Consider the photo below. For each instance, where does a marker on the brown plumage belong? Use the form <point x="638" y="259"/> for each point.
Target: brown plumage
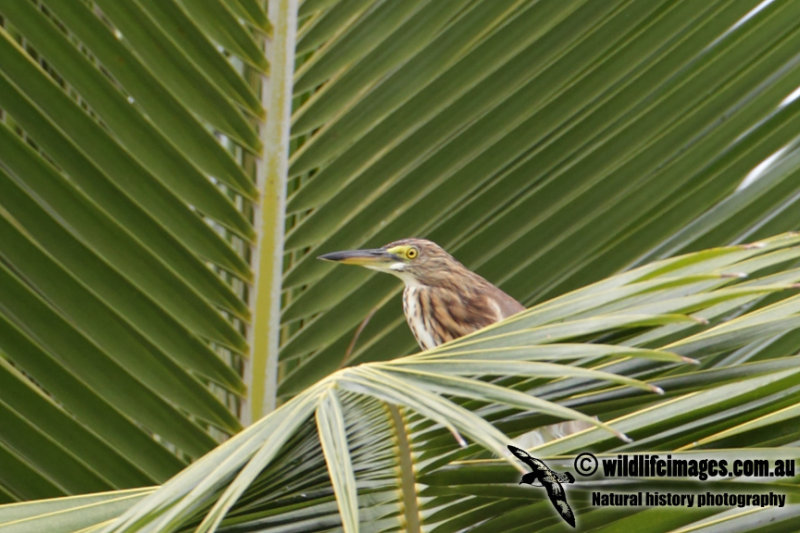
<point x="442" y="299"/>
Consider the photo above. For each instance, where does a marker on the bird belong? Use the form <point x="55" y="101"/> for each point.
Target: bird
<point x="550" y="480"/>
<point x="442" y="299"/>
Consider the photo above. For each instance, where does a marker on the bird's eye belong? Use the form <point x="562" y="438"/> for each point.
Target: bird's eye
<point x="411" y="253"/>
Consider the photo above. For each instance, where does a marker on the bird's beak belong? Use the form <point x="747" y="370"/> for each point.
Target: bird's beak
<point x="375" y="257"/>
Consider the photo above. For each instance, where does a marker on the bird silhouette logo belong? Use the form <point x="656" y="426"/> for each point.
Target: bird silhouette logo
<point x="551" y="481"/>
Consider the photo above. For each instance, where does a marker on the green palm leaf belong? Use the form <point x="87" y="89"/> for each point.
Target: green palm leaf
<point x="170" y="170"/>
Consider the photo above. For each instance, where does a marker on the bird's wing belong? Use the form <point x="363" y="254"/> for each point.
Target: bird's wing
<point x="494" y="297"/>
<point x="559" y="499"/>
<point x="453" y="313"/>
<point x="529" y="460"/>
<point x="508" y="305"/>
<point x="566" y="477"/>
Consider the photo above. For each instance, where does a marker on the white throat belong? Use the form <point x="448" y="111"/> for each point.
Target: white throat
<point x="414" y="316"/>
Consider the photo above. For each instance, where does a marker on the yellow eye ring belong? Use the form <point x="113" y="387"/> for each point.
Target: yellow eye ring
<point x="411" y="253"/>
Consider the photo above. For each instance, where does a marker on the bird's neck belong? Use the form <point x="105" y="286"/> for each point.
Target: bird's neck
<point x="415" y="311"/>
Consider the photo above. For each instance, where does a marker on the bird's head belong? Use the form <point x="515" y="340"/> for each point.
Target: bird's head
<point x="415" y="261"/>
